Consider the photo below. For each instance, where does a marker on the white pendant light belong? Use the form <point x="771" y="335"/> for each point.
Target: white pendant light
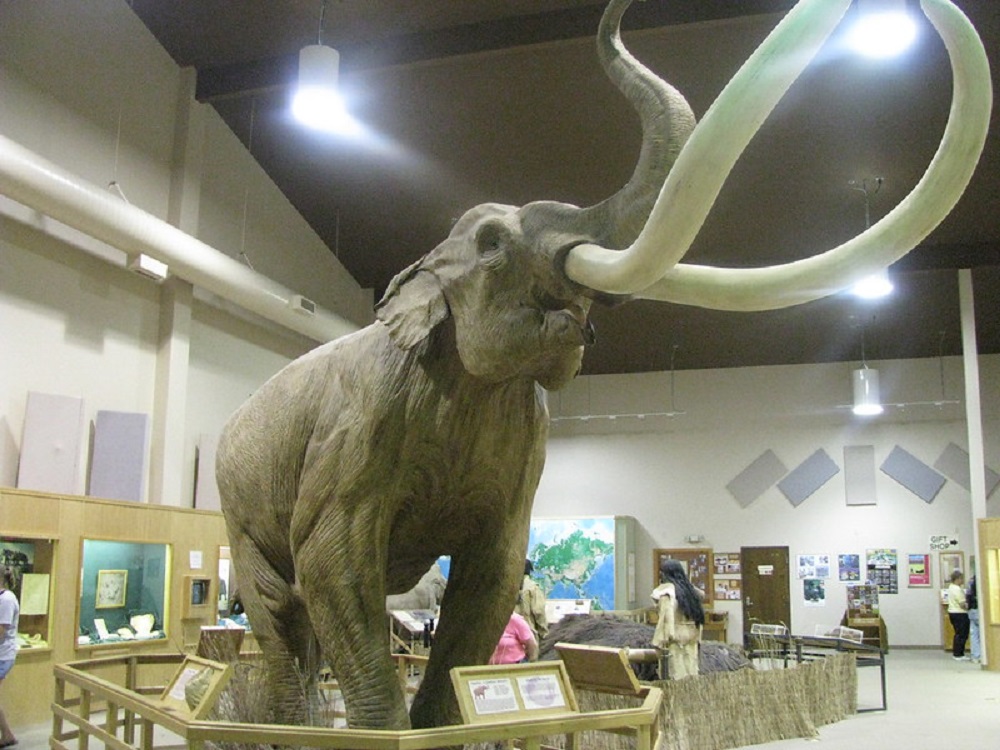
<point x="883" y="29"/>
<point x="875" y="286"/>
<point x="866" y="393"/>
<point x="317" y="102"/>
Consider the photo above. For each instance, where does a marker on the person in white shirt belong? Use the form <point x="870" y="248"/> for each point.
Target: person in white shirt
<point x="9" y="612"/>
<point x="958" y="613"/>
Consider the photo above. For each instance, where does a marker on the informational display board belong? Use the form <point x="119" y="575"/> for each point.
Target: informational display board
<point x="513" y="691"/>
<point x="601" y="668"/>
<point x="196" y="685"/>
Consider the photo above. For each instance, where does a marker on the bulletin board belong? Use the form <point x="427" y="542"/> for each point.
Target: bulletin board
<point x="698" y="562"/>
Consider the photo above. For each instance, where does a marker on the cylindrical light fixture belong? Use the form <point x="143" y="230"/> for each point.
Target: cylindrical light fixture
<point x="883" y="28"/>
<point x="317" y="101"/>
<point x="866" y="396"/>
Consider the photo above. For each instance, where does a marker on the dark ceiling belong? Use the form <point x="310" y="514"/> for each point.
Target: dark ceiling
<point x="482" y="100"/>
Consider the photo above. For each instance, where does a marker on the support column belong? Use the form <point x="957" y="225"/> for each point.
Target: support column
<point x="169" y="438"/>
<point x="973" y="415"/>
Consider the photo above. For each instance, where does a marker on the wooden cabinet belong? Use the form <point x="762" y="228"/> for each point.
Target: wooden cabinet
<point x="716" y="624"/>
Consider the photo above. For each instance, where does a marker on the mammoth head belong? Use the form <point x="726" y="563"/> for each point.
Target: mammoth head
<point x="518" y="282"/>
<point x="514" y="314"/>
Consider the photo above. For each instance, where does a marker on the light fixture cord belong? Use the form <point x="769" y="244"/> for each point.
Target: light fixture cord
<point x="868" y="195"/>
<point x="322" y="15"/>
<point x="246" y="189"/>
<point x="114" y="184"/>
<point x="941" y="361"/>
<point x="673" y="355"/>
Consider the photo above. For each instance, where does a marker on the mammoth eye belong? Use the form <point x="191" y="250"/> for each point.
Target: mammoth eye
<point x="490" y="240"/>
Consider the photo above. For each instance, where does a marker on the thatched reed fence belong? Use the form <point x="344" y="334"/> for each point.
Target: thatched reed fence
<point x="746" y="707"/>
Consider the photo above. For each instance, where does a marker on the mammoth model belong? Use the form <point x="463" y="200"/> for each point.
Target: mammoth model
<point x="347" y="474"/>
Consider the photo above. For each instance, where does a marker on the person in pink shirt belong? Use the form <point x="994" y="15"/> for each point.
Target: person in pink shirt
<point x="517" y="644"/>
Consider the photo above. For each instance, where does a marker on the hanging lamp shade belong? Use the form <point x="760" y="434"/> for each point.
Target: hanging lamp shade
<point x="317" y="101"/>
<point x="867" y="402"/>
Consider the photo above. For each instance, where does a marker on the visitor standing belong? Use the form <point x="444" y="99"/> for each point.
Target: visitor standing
<point x="972" y="600"/>
<point x="680" y="620"/>
<point x="958" y="613"/>
<point x="517" y="644"/>
<point x="531" y="603"/>
<point x="9" y="612"/>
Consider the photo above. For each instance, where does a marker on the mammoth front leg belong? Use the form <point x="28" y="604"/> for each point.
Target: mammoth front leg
<point x="281" y="627"/>
<point x="341" y="569"/>
<point x="478" y="601"/>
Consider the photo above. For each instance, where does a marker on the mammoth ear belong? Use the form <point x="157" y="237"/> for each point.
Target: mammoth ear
<point x="412" y="306"/>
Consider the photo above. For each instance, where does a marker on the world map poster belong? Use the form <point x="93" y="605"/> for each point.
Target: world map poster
<point x="574" y="558"/>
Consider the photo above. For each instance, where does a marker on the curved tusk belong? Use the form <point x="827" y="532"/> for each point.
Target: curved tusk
<point x="708" y="156"/>
<point x="897" y="233"/>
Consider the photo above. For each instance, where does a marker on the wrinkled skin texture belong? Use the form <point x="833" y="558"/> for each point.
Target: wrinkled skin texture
<point x="347" y="474"/>
<point x="354" y="468"/>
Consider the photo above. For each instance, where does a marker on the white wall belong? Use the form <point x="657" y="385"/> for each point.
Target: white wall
<point x="671" y="473"/>
<point x="86" y="86"/>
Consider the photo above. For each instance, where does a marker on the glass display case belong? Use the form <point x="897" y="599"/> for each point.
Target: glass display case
<point x="32" y="561"/>
<point x="123" y="591"/>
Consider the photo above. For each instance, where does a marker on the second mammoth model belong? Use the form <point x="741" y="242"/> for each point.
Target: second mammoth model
<point x="348" y="473"/>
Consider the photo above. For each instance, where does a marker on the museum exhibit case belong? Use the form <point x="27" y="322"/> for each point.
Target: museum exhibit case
<point x="87" y="585"/>
<point x="32" y="560"/>
<point x="124" y="591"/>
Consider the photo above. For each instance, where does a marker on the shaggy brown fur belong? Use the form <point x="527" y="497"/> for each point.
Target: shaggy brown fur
<point x="618" y="632"/>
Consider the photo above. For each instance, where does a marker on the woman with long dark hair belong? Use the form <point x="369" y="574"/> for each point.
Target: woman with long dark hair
<point x="681" y="617"/>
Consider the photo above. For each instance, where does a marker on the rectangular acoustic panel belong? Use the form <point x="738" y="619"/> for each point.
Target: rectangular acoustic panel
<point x="913" y="474"/>
<point x="206" y="491"/>
<point x="859" y="474"/>
<point x="121" y="448"/>
<point x="954" y="464"/>
<point x="50" y="444"/>
<point x="808" y="477"/>
<point x="756" y="478"/>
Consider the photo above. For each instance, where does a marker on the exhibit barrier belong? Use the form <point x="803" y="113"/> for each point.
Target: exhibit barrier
<point x="110" y="701"/>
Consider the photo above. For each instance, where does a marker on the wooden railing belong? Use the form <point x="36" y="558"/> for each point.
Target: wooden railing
<point x="121" y="712"/>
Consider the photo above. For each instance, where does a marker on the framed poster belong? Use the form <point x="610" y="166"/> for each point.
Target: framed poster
<point x="698" y="563"/>
<point x="849" y="567"/>
<point x="919" y="569"/>
<point x="948" y="562"/>
<point x="111" y="588"/>
<point x="883" y="570"/>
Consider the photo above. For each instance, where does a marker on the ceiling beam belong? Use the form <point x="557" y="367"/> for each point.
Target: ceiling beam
<point x="272" y="74"/>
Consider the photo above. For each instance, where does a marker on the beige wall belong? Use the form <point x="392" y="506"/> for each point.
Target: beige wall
<point x="671" y="473"/>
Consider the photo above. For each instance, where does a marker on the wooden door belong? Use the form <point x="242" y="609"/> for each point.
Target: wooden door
<point x="766" y="593"/>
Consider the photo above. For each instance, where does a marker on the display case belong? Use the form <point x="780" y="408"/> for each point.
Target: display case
<point x="32" y="561"/>
<point x="123" y="592"/>
<point x="198" y="602"/>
